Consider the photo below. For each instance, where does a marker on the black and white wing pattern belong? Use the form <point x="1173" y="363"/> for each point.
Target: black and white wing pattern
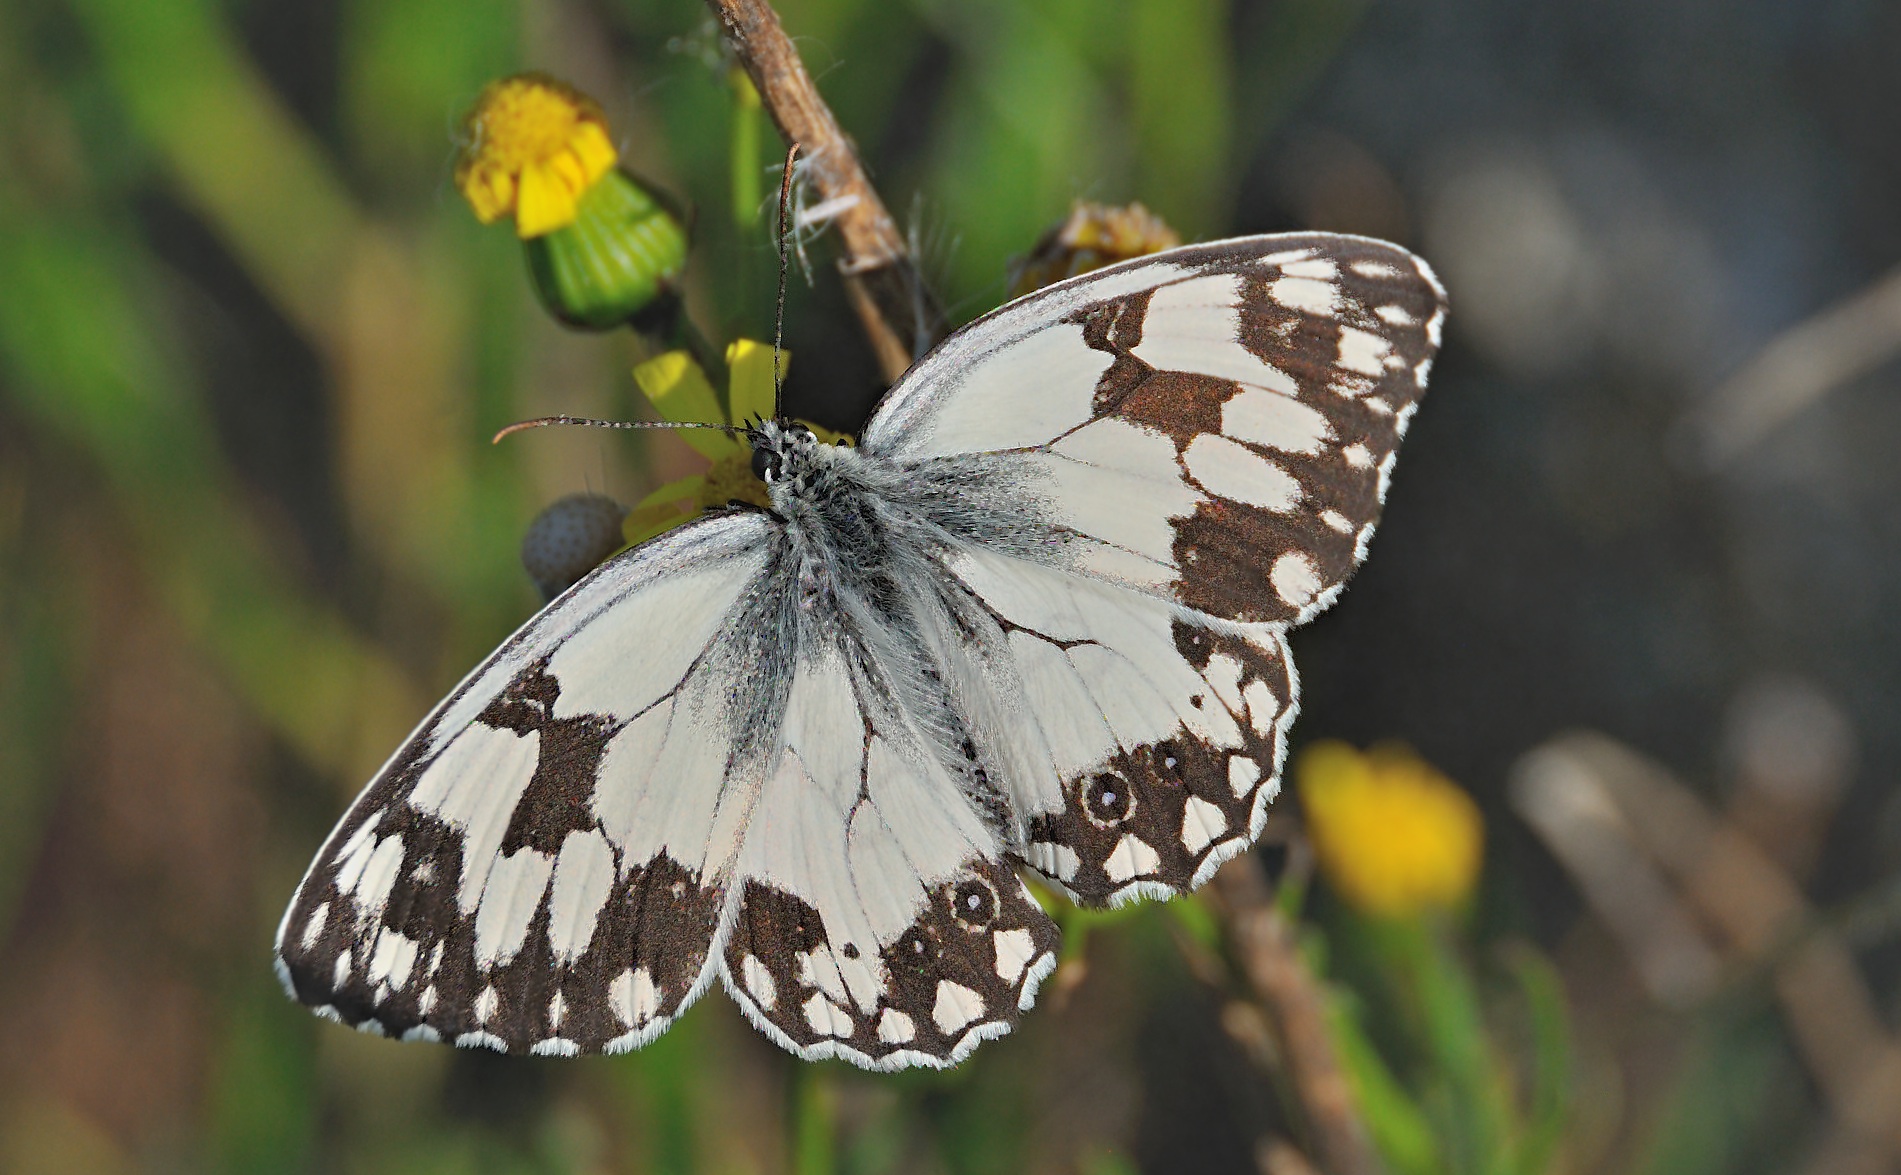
<point x="530" y="871"/>
<point x="1218" y="421"/>
<point x="1038" y="618"/>
<point x="1209" y="434"/>
<point x="668" y="777"/>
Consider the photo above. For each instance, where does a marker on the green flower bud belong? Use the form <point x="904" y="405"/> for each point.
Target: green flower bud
<point x="623" y="252"/>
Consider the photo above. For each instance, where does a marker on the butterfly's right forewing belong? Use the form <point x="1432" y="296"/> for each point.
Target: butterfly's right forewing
<point x="1215" y="424"/>
<point x="537" y="868"/>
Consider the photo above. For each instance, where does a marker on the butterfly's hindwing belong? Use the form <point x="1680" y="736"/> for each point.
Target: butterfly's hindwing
<point x="1157" y="818"/>
<point x="1157" y="735"/>
<point x="963" y="971"/>
<point x="857" y="838"/>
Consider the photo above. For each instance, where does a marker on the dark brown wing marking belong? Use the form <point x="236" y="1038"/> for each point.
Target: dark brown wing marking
<point x="963" y="972"/>
<point x="1156" y="819"/>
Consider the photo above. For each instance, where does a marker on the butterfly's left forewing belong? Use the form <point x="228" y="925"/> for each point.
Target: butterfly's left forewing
<point x="538" y="869"/>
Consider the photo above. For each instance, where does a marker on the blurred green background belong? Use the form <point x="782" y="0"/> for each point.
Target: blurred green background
<point x="252" y="346"/>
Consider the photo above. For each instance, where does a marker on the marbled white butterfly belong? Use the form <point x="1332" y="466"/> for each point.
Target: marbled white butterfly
<point x="1036" y="619"/>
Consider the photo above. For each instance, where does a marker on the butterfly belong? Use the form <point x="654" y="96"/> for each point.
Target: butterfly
<point x="1035" y="620"/>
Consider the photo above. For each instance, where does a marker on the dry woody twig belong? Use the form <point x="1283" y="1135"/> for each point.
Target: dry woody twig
<point x="899" y="314"/>
<point x="1264" y="946"/>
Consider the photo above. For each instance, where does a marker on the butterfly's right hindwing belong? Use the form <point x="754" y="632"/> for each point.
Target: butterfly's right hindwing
<point x="1148" y="739"/>
<point x="536" y="870"/>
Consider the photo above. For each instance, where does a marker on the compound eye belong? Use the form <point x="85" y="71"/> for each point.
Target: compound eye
<point x="765" y="465"/>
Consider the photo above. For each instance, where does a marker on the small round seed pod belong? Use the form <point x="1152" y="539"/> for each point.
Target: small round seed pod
<point x="569" y="539"/>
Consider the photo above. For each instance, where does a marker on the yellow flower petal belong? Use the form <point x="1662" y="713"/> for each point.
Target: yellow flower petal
<point x="1394" y="837"/>
<point x="750" y="385"/>
<point x="545" y="202"/>
<point x="532" y="146"/>
<point x="491" y="195"/>
<point x="680" y="391"/>
<point x="593" y="150"/>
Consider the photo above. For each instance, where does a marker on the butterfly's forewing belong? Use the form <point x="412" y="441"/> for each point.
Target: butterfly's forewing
<point x="530" y="872"/>
<point x="1217" y="422"/>
<point x="1211" y="430"/>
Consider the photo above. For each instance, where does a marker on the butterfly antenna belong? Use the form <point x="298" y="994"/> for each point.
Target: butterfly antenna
<point x="545" y="421"/>
<point x="778" y="320"/>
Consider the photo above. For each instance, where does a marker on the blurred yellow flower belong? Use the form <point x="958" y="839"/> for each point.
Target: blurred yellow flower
<point x="532" y="147"/>
<point x="1094" y="235"/>
<point x="1394" y="837"/>
<point x="681" y="392"/>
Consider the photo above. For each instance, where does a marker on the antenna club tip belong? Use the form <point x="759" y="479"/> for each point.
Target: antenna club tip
<point x="518" y="426"/>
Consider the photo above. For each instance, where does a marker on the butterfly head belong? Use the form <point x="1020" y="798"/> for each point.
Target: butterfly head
<point x="784" y="454"/>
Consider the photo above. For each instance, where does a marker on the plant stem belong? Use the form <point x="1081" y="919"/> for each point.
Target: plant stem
<point x="1262" y="940"/>
<point x="900" y="316"/>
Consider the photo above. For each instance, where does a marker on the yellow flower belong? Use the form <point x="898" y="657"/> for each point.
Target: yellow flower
<point x="533" y="146"/>
<point x="1394" y="837"/>
<point x="602" y="250"/>
<point x="682" y="393"/>
<point x="1095" y="235"/>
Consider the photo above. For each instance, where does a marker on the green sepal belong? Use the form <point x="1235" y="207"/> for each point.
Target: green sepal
<point x="623" y="252"/>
